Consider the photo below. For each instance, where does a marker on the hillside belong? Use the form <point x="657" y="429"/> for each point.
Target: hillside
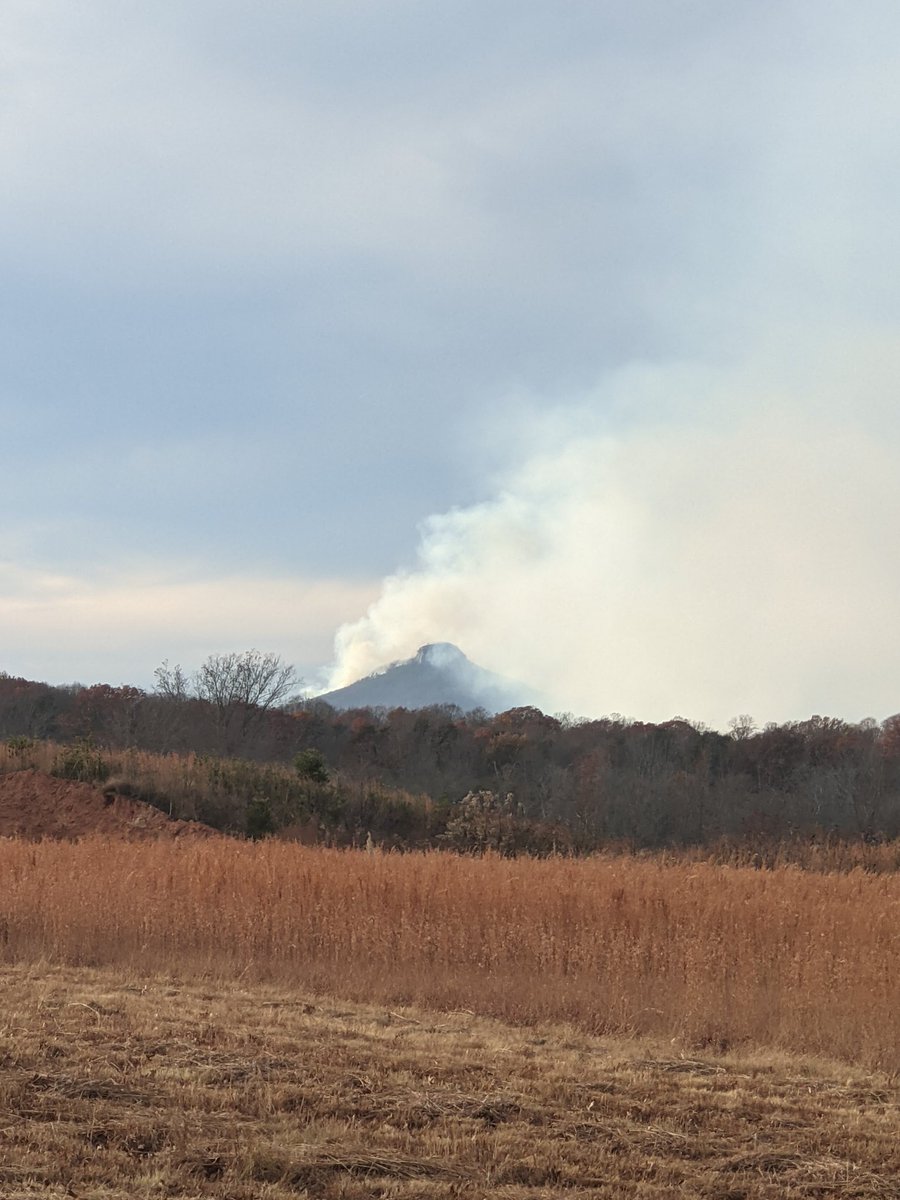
<point x="36" y="805"/>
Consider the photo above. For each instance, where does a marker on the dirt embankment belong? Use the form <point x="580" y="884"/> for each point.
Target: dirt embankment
<point x="35" y="805"/>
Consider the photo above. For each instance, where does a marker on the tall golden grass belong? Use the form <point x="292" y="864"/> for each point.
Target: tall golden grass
<point x="713" y="955"/>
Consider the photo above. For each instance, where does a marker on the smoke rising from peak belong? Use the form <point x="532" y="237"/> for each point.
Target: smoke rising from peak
<point x="726" y="555"/>
<point x="714" y="535"/>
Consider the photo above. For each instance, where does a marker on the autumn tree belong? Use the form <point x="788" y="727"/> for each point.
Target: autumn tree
<point x="111" y="715"/>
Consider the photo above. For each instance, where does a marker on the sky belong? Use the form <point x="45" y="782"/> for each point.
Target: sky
<point x="566" y="333"/>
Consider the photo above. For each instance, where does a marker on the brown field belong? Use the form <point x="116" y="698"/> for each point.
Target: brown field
<point x="512" y="1029"/>
<point x="117" y="1085"/>
<point x="706" y="956"/>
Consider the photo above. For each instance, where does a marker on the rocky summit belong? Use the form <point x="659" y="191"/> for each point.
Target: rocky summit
<point x="438" y="673"/>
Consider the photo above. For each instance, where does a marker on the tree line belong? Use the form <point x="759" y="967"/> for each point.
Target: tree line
<point x="522" y="776"/>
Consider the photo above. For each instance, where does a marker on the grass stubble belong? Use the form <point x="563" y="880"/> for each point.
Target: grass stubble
<point x="116" y="1085"/>
<point x="514" y="1029"/>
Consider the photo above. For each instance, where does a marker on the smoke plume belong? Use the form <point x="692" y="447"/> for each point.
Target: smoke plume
<point x="729" y="549"/>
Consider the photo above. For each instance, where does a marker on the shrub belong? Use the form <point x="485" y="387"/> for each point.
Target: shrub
<point x="81" y="761"/>
<point x="310" y="764"/>
<point x="260" y="822"/>
<point x="21" y="748"/>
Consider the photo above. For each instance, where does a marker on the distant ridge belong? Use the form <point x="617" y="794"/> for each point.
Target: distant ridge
<point x="438" y="673"/>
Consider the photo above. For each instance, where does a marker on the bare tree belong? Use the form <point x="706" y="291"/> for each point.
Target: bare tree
<point x="242" y="688"/>
<point x="171" y="682"/>
<point x="171" y="717"/>
<point x="254" y="679"/>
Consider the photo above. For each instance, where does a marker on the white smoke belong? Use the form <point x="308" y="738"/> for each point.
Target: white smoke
<point x="719" y="538"/>
<point x="727" y="554"/>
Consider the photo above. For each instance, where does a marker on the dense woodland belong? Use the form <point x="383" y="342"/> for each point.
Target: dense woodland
<point x="521" y="780"/>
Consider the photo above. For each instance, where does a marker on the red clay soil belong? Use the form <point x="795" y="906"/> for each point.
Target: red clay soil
<point x="35" y="805"/>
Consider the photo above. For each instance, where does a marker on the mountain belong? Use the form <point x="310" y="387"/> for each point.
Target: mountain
<point x="437" y="674"/>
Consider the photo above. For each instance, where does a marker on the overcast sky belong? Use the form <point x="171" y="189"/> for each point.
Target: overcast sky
<point x="565" y="332"/>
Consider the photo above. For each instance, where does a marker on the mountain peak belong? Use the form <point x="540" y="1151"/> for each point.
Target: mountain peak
<point x="437" y="674"/>
<point x="440" y="655"/>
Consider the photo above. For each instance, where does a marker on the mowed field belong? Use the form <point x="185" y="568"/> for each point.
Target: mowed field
<point x="222" y="1018"/>
<point x="116" y="1085"/>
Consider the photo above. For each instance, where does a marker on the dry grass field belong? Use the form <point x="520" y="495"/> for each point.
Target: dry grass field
<point x="114" y="1085"/>
<point x="714" y="957"/>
